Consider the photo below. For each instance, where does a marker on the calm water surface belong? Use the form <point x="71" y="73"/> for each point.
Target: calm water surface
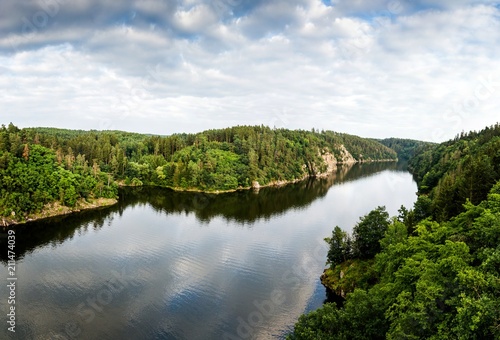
<point x="167" y="265"/>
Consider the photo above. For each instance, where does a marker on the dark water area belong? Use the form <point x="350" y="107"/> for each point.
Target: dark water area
<point x="176" y="265"/>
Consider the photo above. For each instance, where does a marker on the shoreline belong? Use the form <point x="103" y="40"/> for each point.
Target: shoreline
<point x="55" y="209"/>
<point x="255" y="184"/>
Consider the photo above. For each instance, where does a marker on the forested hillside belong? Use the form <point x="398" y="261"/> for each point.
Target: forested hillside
<point x="212" y="160"/>
<point x="41" y="165"/>
<point x="32" y="176"/>
<point x="461" y="169"/>
<point x="412" y="277"/>
<point x="405" y="148"/>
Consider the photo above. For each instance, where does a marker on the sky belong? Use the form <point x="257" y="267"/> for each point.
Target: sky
<point x="420" y="69"/>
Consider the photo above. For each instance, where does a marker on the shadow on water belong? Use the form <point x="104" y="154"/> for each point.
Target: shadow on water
<point x="54" y="231"/>
<point x="332" y="297"/>
<point x="245" y="206"/>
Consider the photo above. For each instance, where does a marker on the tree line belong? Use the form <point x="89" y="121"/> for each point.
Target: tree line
<point x="41" y="165"/>
<point x="405" y="148"/>
<point x="222" y="159"/>
<point x="432" y="272"/>
<point x="31" y="176"/>
<point x="453" y="172"/>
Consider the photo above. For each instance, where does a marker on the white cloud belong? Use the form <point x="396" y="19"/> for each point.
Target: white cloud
<point x="296" y="65"/>
<point x="196" y="19"/>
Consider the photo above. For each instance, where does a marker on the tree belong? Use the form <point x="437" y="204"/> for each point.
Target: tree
<point x="407" y="217"/>
<point x="368" y="232"/>
<point x="422" y="207"/>
<point x="95" y="168"/>
<point x="340" y="247"/>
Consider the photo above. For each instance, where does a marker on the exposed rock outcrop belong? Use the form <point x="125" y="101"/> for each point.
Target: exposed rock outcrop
<point x="255" y="185"/>
<point x="330" y="162"/>
<point x="329" y="165"/>
<point x="345" y="156"/>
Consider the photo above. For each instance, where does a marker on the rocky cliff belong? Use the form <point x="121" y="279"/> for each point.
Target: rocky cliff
<point x="345" y="156"/>
<point x="330" y="161"/>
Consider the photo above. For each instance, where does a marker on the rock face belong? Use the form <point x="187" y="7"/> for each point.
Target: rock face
<point x="331" y="165"/>
<point x="331" y="162"/>
<point x="327" y="167"/>
<point x="345" y="156"/>
<point x="331" y="283"/>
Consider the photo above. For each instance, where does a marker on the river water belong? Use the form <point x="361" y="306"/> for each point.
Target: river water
<point x="169" y="265"/>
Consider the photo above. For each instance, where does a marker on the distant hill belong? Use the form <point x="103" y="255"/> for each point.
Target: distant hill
<point x="405" y="148"/>
<point x="465" y="168"/>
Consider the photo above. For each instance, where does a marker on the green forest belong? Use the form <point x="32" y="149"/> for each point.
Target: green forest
<point x="433" y="272"/>
<point x="405" y="148"/>
<point x="43" y="165"/>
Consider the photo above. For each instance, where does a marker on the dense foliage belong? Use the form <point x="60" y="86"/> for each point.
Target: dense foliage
<point x="365" y="242"/>
<point x="212" y="160"/>
<point x="40" y="165"/>
<point x="405" y="148"/>
<point x="442" y="282"/>
<point x="462" y="169"/>
<point x="31" y="176"/>
<point x="429" y="279"/>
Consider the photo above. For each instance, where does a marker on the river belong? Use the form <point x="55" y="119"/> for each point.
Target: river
<point x="175" y="265"/>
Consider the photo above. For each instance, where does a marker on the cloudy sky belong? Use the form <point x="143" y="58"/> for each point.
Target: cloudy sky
<point x="422" y="69"/>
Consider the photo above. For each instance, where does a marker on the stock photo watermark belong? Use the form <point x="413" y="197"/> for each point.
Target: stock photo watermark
<point x="280" y="120"/>
<point x="221" y="7"/>
<point x="95" y="304"/>
<point x="141" y="90"/>
<point x="485" y="88"/>
<point x="359" y="45"/>
<point x="11" y="280"/>
<point x="268" y="308"/>
<point x="135" y="96"/>
<point x="36" y="22"/>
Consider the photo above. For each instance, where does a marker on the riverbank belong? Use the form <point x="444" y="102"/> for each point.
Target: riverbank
<point x="331" y="168"/>
<point x="57" y="209"/>
<point x="156" y="227"/>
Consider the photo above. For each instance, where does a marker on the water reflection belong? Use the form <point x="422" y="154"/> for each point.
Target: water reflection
<point x="192" y="266"/>
<point x="248" y="206"/>
<point x="243" y="207"/>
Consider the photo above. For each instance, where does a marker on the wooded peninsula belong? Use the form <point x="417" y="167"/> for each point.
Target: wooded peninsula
<point x="47" y="171"/>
